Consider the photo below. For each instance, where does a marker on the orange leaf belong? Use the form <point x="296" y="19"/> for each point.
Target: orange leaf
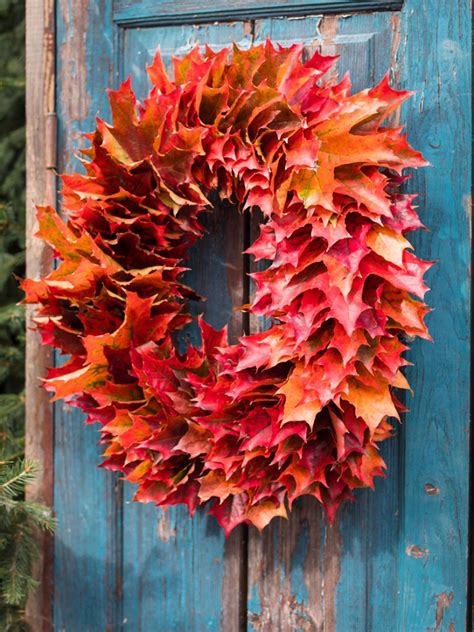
<point x="372" y="404"/>
<point x="261" y="514"/>
<point x="388" y="244"/>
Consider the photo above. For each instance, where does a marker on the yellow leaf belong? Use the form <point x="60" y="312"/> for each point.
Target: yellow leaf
<point x="388" y="244"/>
<point x="139" y="472"/>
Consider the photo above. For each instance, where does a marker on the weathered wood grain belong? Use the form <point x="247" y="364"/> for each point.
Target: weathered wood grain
<point x="172" y="12"/>
<point x="40" y="188"/>
<point x="432" y="552"/>
<point x="293" y="573"/>
<point x="87" y="500"/>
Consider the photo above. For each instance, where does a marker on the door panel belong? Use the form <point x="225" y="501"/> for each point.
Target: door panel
<point x="395" y="559"/>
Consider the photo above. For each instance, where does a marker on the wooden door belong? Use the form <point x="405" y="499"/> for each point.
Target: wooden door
<point x="396" y="560"/>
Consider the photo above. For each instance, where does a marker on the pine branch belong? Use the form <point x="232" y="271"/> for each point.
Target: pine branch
<point x="13" y="478"/>
<point x="18" y="548"/>
<point x="38" y="514"/>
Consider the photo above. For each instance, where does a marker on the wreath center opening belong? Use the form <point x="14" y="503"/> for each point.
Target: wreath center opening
<point x="219" y="272"/>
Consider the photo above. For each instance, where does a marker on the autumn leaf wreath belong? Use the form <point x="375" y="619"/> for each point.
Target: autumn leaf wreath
<point x="299" y="408"/>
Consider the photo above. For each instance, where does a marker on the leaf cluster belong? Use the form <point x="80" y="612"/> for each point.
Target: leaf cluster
<point x="300" y="408"/>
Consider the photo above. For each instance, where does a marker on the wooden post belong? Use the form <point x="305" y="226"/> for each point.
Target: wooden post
<point x="40" y="189"/>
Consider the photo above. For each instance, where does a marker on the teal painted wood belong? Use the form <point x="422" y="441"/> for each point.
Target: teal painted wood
<point x="173" y="12"/>
<point x="433" y="538"/>
<point x="86" y="499"/>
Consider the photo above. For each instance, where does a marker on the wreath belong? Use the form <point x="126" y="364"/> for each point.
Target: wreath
<point x="300" y="408"/>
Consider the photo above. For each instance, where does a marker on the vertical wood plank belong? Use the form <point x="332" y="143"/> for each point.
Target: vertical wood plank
<point x="86" y="499"/>
<point x="181" y="573"/>
<point x="327" y="573"/>
<point x="287" y="560"/>
<point x="293" y="572"/>
<point x="367" y="592"/>
<point x="40" y="188"/>
<point x="433" y="540"/>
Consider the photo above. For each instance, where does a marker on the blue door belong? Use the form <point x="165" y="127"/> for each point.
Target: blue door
<point x="396" y="560"/>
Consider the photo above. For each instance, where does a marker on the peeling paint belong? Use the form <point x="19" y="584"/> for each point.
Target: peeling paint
<point x="328" y="30"/>
<point x="421" y="98"/>
<point x="164" y="529"/>
<point x="431" y="489"/>
<point x="443" y="602"/>
<point x="294" y="613"/>
<point x="416" y="552"/>
<point x="247" y="28"/>
<point x="396" y="33"/>
<point x="75" y="100"/>
<point x="288" y="589"/>
<point x="467" y="205"/>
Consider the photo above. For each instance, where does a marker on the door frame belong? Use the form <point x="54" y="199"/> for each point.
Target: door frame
<point x="42" y="188"/>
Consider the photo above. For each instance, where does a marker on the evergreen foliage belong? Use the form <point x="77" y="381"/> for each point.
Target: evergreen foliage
<point x="18" y="517"/>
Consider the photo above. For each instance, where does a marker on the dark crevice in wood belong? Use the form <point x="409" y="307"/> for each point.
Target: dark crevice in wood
<point x="116" y="601"/>
<point x="470" y="522"/>
<point x="244" y="579"/>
